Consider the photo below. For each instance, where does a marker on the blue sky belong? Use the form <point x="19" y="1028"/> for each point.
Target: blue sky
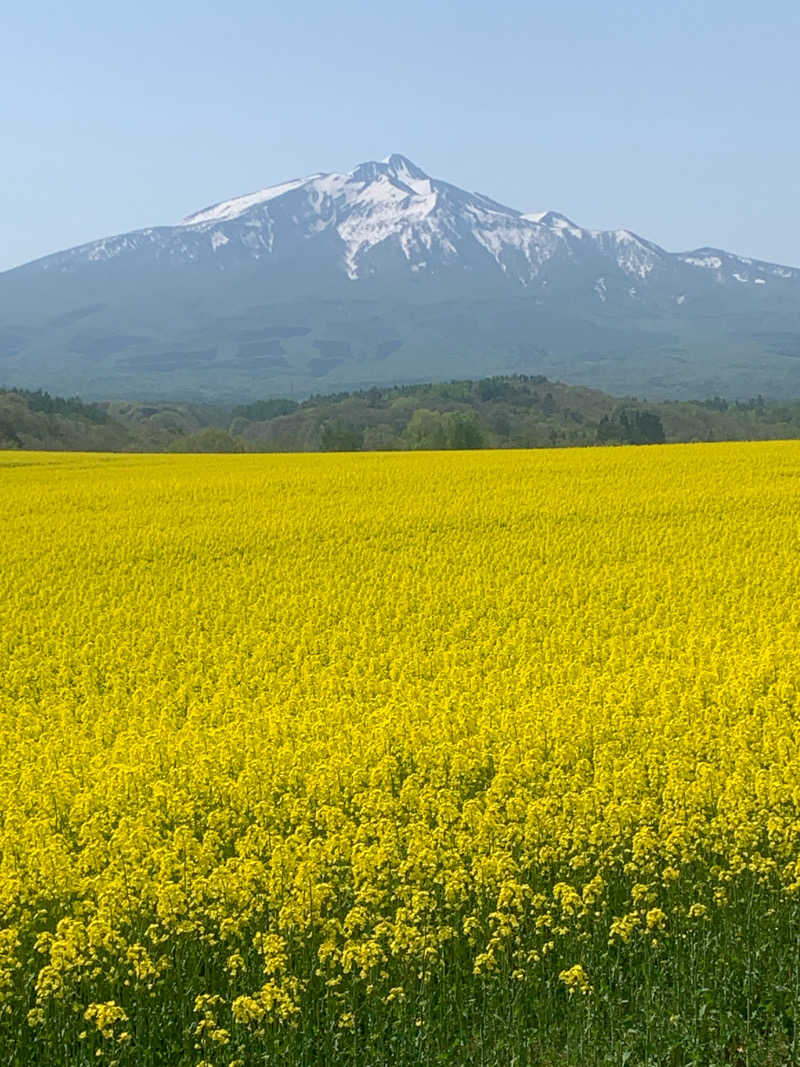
<point x="678" y="120"/>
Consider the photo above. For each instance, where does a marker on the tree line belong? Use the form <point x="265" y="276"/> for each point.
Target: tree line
<point x="518" y="411"/>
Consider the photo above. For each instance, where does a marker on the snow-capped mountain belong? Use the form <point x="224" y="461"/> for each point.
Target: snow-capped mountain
<point x="376" y="274"/>
<point x="394" y="206"/>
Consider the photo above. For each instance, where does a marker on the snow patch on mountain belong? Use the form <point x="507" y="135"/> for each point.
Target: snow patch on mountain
<point x="503" y="240"/>
<point x="633" y="255"/>
<point x="233" y="209"/>
<point x="709" y="262"/>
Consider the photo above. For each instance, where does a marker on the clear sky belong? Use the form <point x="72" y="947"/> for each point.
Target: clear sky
<point x="679" y="120"/>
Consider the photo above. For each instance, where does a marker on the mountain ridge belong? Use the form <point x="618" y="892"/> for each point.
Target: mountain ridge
<point x="383" y="274"/>
<point x="397" y="170"/>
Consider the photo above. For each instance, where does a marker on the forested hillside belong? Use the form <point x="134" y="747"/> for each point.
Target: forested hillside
<point x="501" y="412"/>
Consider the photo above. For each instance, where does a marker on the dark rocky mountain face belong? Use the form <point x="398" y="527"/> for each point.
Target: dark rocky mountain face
<point x="385" y="275"/>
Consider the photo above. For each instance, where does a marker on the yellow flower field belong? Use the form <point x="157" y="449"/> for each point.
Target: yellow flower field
<point x="400" y="758"/>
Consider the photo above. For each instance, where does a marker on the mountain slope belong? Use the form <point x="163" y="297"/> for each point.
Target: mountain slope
<point x="383" y="275"/>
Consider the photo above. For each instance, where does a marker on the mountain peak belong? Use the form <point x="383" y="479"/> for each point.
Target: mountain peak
<point x="402" y="166"/>
<point x="555" y="220"/>
<point x="394" y="166"/>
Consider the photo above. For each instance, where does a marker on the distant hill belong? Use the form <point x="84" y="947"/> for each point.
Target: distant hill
<point x="385" y="275"/>
<point x="37" y="420"/>
<point x="498" y="412"/>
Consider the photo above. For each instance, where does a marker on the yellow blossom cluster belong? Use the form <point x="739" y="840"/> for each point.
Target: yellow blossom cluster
<point x="277" y="730"/>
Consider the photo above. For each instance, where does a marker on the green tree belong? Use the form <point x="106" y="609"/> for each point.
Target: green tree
<point x="427" y="429"/>
<point x="336" y="435"/>
<point x="631" y="426"/>
<point x="463" y="430"/>
<point x="381" y="438"/>
<point x="211" y="439"/>
<point x="263" y="410"/>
